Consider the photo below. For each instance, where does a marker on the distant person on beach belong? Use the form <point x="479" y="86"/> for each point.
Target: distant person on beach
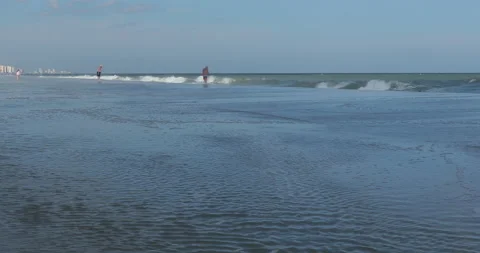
<point x="99" y="72"/>
<point x="18" y="74"/>
<point x="205" y="74"/>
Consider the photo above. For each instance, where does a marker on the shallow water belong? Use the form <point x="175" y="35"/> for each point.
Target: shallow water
<point x="141" y="167"/>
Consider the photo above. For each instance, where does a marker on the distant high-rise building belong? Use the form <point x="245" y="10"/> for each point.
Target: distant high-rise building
<point x="7" y="69"/>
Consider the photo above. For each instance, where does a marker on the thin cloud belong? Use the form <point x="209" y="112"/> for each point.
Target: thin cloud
<point x="53" y="3"/>
<point x="122" y="25"/>
<point x="81" y="8"/>
<point x="108" y="3"/>
<point x="179" y="10"/>
<point x="73" y="2"/>
<point x="136" y="8"/>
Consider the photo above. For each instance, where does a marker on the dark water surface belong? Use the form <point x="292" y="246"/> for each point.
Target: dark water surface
<point x="131" y="167"/>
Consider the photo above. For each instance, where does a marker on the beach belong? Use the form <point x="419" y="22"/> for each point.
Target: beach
<point x="250" y="164"/>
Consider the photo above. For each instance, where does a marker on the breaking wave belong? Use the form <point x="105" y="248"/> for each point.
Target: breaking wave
<point x="153" y="79"/>
<point x="381" y="83"/>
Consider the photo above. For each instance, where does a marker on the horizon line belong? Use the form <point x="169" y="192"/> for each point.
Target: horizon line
<point x="256" y="73"/>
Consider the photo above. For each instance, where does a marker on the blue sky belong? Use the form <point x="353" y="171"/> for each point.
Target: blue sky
<point x="242" y="35"/>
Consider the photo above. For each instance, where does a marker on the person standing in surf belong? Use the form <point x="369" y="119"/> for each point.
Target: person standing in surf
<point x="18" y="74"/>
<point x="99" y="72"/>
<point x="205" y="74"/>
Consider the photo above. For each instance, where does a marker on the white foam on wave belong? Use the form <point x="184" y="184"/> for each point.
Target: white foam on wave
<point x="91" y="77"/>
<point x="169" y="79"/>
<point x="377" y="85"/>
<point x="374" y="85"/>
<point x="327" y="85"/>
<point x="322" y="85"/>
<point x="382" y="85"/>
<point x="214" y="79"/>
<point x="152" y="79"/>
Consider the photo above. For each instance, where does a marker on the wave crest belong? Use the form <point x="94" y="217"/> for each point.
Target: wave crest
<point x="153" y="79"/>
<point x="378" y="85"/>
<point x="396" y="83"/>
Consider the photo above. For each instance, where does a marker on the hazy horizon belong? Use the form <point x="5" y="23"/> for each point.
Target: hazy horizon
<point x="271" y="73"/>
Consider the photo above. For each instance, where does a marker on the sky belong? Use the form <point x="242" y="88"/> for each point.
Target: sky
<point x="240" y="36"/>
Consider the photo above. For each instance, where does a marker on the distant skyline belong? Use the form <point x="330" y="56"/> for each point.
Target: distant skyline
<point x="173" y="36"/>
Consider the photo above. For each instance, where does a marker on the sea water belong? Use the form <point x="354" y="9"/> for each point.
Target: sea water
<point x="150" y="166"/>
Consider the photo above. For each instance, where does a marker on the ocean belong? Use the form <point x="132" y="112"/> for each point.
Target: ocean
<point x="253" y="163"/>
<point x="468" y="82"/>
